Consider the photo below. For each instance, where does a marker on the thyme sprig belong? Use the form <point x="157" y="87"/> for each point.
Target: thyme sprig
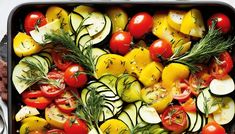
<point x="90" y="111"/>
<point x="211" y="45"/>
<point x="77" y="54"/>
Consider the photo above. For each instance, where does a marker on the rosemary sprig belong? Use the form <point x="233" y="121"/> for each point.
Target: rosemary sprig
<point x="36" y="73"/>
<point x="78" y="55"/>
<point x="90" y="111"/>
<point x="207" y="107"/>
<point x="211" y="45"/>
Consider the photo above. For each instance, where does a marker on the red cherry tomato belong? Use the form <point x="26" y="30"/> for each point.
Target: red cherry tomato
<point x="213" y="128"/>
<point x="160" y="49"/>
<point x="222" y="22"/>
<point x="174" y="118"/>
<point x="221" y="66"/>
<point x="66" y="102"/>
<point x="55" y="131"/>
<point x="35" y="98"/>
<point x="56" y="86"/>
<point x="189" y="105"/>
<point x="200" y="80"/>
<point x="120" y="42"/>
<point x="75" y="76"/>
<point x="60" y="63"/>
<point x="140" y="24"/>
<point x="75" y="126"/>
<point x="33" y="20"/>
<point x="181" y="90"/>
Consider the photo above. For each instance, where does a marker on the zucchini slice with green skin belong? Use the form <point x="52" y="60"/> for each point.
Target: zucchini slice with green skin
<point x="132" y="111"/>
<point x="226" y="112"/>
<point x="207" y="103"/>
<point x="83" y="10"/>
<point x="198" y="124"/>
<point x="84" y="41"/>
<point x="124" y="81"/>
<point x="96" y="53"/>
<point x="80" y="34"/>
<point x="222" y="86"/>
<point x="110" y="81"/>
<point x="149" y="115"/>
<point x="20" y="71"/>
<point x="126" y="119"/>
<point x="101" y="37"/>
<point x="47" y="57"/>
<point x="75" y="21"/>
<point x="193" y="120"/>
<point x="95" y="23"/>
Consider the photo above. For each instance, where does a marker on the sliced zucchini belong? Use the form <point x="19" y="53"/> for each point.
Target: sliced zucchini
<point x="149" y="115"/>
<point x="96" y="53"/>
<point x="22" y="69"/>
<point x="225" y="113"/>
<point x="75" y="21"/>
<point x="47" y="57"/>
<point x="131" y="110"/>
<point x="106" y="114"/>
<point x="126" y="119"/>
<point x="80" y="34"/>
<point x="222" y="86"/>
<point x="110" y="81"/>
<point x="43" y="64"/>
<point x="101" y="36"/>
<point x="206" y="103"/>
<point x="84" y="41"/>
<point x="123" y="81"/>
<point x="193" y="120"/>
<point x="84" y="10"/>
<point x="39" y="34"/>
<point x="95" y="23"/>
<point x="198" y="124"/>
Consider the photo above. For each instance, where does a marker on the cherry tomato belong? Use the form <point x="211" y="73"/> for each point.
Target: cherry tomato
<point x="75" y="76"/>
<point x="140" y="24"/>
<point x="66" y="102"/>
<point x="75" y="126"/>
<point x="60" y="63"/>
<point x="56" y="86"/>
<point x="55" y="131"/>
<point x="221" y="66"/>
<point x="160" y="50"/>
<point x="222" y="22"/>
<point x="213" y="128"/>
<point x="33" y="20"/>
<point x="189" y="105"/>
<point x="35" y="98"/>
<point x="181" y="90"/>
<point x="120" y="42"/>
<point x="199" y="80"/>
<point x="174" y="118"/>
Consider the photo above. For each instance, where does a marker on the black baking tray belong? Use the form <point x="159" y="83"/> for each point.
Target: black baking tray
<point x="18" y="14"/>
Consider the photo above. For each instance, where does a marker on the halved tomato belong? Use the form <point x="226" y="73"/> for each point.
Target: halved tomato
<point x="57" y="56"/>
<point x="200" y="80"/>
<point x="55" y="86"/>
<point x="174" y="118"/>
<point x="221" y="66"/>
<point x="181" y="90"/>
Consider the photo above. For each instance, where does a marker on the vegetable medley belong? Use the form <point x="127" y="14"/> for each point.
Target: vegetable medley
<point x="105" y="71"/>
